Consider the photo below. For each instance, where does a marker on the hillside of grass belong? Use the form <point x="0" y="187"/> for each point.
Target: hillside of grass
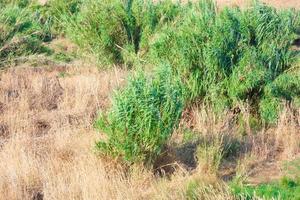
<point x="100" y="99"/>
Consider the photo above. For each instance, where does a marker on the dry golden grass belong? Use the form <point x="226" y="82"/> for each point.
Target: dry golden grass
<point x="46" y="131"/>
<point x="260" y="153"/>
<point x="47" y="139"/>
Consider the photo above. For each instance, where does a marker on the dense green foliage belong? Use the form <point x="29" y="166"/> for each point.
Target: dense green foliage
<point x="142" y="117"/>
<point x="286" y="189"/>
<point x="22" y="32"/>
<point x="225" y="59"/>
<point x="109" y="29"/>
<point x="233" y="57"/>
<point x="222" y="58"/>
<point x="58" y="12"/>
<point x="26" y="27"/>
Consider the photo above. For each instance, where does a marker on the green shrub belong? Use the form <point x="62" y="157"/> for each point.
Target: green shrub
<point x="21" y="31"/>
<point x="232" y="57"/>
<point x="286" y="189"/>
<point x="181" y="44"/>
<point x="57" y="13"/>
<point x="142" y="117"/>
<point x="115" y="30"/>
<point x="225" y="59"/>
<point x="284" y="89"/>
<point x="26" y="26"/>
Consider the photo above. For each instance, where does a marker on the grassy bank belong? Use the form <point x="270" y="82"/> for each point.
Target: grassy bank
<point x="102" y="99"/>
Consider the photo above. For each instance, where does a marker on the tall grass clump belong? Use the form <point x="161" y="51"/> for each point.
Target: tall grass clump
<point x="115" y="31"/>
<point x="225" y="59"/>
<point x="22" y="32"/>
<point x="182" y="43"/>
<point x="284" y="189"/>
<point x="232" y="57"/>
<point x="142" y="117"/>
<point x="57" y="13"/>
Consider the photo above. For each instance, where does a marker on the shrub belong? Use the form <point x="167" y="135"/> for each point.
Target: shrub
<point x="232" y="57"/>
<point x="225" y="59"/>
<point x="142" y="117"/>
<point x="285" y="189"/>
<point x="21" y="31"/>
<point x="115" y="30"/>
<point x="181" y="45"/>
<point x="284" y="89"/>
<point x="56" y="14"/>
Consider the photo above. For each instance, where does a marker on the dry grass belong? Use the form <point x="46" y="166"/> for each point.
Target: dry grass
<point x="46" y="130"/>
<point x="257" y="155"/>
<point x="47" y="142"/>
<point x="47" y="138"/>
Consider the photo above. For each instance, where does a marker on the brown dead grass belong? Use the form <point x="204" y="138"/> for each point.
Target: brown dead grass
<point x="47" y="138"/>
<point x="259" y="153"/>
<point x="46" y="128"/>
<point x="42" y="100"/>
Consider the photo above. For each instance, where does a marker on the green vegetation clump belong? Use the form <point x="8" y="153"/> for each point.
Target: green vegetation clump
<point x="232" y="57"/>
<point x="26" y="27"/>
<point x="142" y="117"/>
<point x="225" y="59"/>
<point x="286" y="86"/>
<point x="22" y="31"/>
<point x="57" y="13"/>
<point x="286" y="189"/>
<point x="116" y="31"/>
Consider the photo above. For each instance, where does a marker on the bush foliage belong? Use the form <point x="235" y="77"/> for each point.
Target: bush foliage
<point x="222" y="58"/>
<point x="108" y="29"/>
<point x="234" y="56"/>
<point x="27" y="26"/>
<point x="22" y="32"/>
<point x="142" y="117"/>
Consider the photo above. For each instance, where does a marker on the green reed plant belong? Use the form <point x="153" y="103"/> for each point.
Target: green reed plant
<point x="115" y="31"/>
<point x="21" y="30"/>
<point x="230" y="57"/>
<point x="56" y="14"/>
<point x="142" y="117"/>
<point x="225" y="59"/>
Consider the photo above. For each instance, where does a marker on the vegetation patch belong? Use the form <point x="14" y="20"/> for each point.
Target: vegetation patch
<point x="142" y="117"/>
<point x="286" y="189"/>
<point x="26" y="28"/>
<point x="233" y="57"/>
<point x="115" y="32"/>
<point x="22" y="32"/>
<point x="241" y="62"/>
